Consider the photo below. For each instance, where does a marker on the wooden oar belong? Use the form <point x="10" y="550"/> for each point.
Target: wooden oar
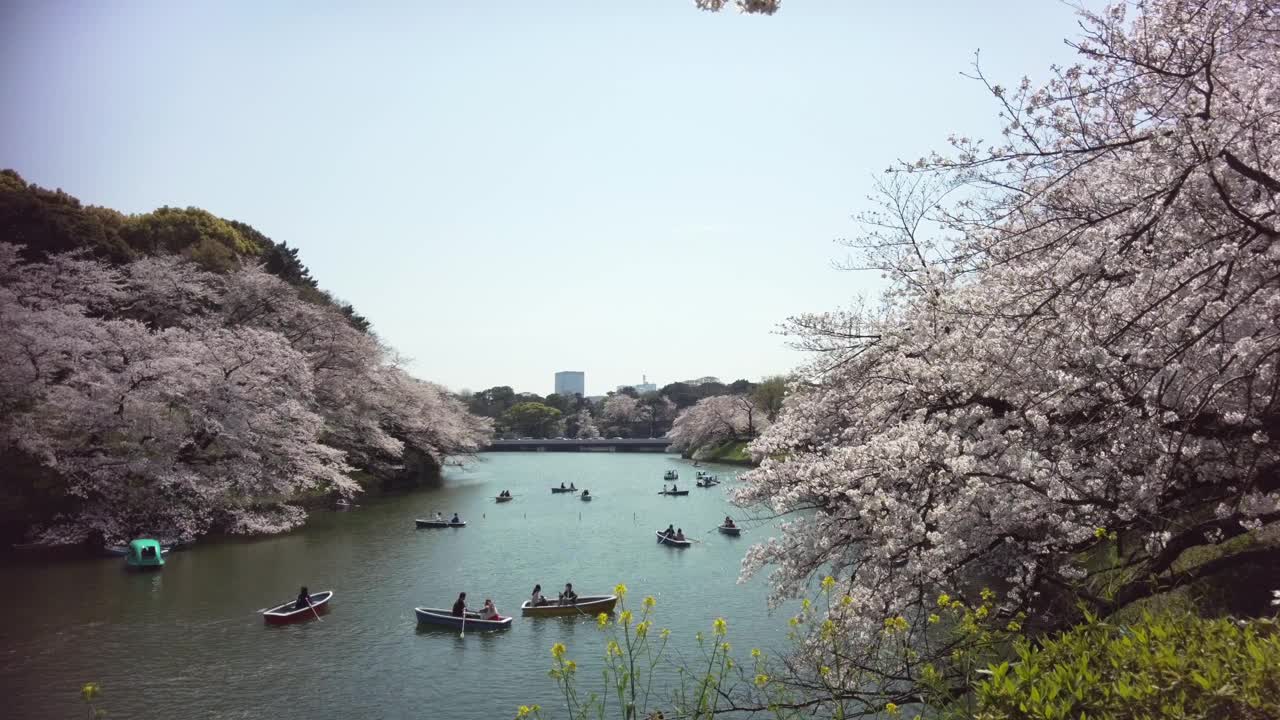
<point x="463" y="633"/>
<point x="313" y="609"/>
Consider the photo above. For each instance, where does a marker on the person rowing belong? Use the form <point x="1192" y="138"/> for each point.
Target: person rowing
<point x="460" y="605"/>
<point x="568" y="597"/>
<point x="728" y="522"/>
<point x="304" y="599"/>
<point x="455" y="520"/>
<point x="571" y="487"/>
<point x="562" y="485"/>
<point x="586" y="493"/>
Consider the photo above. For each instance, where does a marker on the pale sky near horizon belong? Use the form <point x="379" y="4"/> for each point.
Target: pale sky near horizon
<point x="507" y="189"/>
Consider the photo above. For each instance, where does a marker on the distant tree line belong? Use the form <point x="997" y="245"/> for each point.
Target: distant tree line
<point x="627" y="413"/>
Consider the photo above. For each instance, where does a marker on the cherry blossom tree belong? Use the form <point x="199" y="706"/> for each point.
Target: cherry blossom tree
<point x="586" y="425"/>
<point x="716" y="420"/>
<point x="172" y="401"/>
<point x="757" y="7"/>
<point x="1078" y="350"/>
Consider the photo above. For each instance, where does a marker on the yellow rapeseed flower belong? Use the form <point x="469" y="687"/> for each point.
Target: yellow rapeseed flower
<point x="805" y="603"/>
<point x="755" y="652"/>
<point x="891" y="708"/>
<point x="1013" y="626"/>
<point x="602" y="619"/>
<point x="824" y="671"/>
<point x="649" y="601"/>
<point x="643" y="628"/>
<point x="828" y="582"/>
<point x="987" y="594"/>
<point x="729" y="663"/>
<point x="933" y="618"/>
<point x="944" y="600"/>
<point x="720" y="627"/>
<point x="557" y="650"/>
<point x="90" y="691"/>
<point x="625" y="617"/>
<point x="762" y="680"/>
<point x="570" y="666"/>
<point x="524" y="711"/>
<point x="620" y="590"/>
<point x="666" y="632"/>
<point x="613" y="649"/>
<point x="794" y="621"/>
<point x="846" y="601"/>
<point x="1100" y="532"/>
<point x="895" y="624"/>
<point x="724" y="647"/>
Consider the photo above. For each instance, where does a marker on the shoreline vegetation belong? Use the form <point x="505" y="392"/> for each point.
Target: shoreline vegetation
<point x="1040" y="475"/>
<point x="173" y="374"/>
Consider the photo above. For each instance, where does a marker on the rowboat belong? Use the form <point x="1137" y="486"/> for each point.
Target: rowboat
<point x="674" y="492"/>
<point x="286" y="613"/>
<point x="589" y="605"/>
<point x="585" y="498"/>
<point x="504" y="498"/>
<point x="671" y="475"/>
<point x="735" y="530"/>
<point x="439" y="523"/>
<point x="707" y="484"/>
<point x="564" y="490"/>
<point x="438" y="616"/>
<point x="664" y="540"/>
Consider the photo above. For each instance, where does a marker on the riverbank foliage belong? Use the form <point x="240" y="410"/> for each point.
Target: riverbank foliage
<point x="1171" y="664"/>
<point x="715" y="422"/>
<point x="169" y="384"/>
<point x="1070" y="390"/>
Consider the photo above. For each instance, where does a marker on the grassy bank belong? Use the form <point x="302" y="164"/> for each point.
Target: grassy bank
<point x="730" y="453"/>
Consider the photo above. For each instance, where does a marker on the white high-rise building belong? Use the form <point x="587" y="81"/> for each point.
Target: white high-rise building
<point x="569" y="382"/>
<point x="642" y="387"/>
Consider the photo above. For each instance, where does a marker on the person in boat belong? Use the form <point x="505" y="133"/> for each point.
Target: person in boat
<point x="439" y="517"/>
<point x="670" y="531"/>
<point x="568" y="597"/>
<point x="571" y="487"/>
<point x="536" y="598"/>
<point x="728" y="522"/>
<point x="460" y="605"/>
<point x="586" y="493"/>
<point x="489" y="611"/>
<point x="673" y="487"/>
<point x="680" y="534"/>
<point x="562" y="485"/>
<point x="455" y="519"/>
<point x="304" y="599"/>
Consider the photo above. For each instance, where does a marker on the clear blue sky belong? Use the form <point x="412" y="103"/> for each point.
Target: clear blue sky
<point x="511" y="188"/>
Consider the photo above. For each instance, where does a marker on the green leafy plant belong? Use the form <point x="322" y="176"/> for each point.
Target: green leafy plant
<point x="1173" y="665"/>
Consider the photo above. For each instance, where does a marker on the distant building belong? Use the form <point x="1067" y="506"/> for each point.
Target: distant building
<point x="641" y="387"/>
<point x="702" y="380"/>
<point x="569" y="382"/>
